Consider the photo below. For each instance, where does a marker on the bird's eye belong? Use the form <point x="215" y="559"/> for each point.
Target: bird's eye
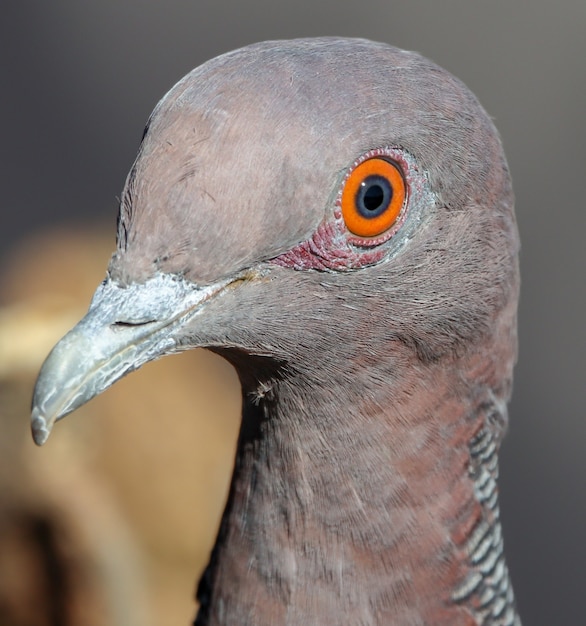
<point x="373" y="197"/>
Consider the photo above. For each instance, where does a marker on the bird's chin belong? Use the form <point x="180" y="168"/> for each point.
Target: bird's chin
<point x="125" y="327"/>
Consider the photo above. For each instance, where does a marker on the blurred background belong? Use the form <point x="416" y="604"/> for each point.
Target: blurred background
<point x="110" y="523"/>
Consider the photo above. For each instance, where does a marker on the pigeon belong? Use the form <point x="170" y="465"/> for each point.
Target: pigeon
<point x="335" y="218"/>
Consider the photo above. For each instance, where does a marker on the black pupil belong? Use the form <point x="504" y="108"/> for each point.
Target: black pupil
<point x="374" y="196"/>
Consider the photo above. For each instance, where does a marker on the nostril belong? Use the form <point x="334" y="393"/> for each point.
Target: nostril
<point x="130" y="324"/>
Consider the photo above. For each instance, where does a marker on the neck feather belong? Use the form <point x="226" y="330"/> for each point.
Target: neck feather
<point x="377" y="507"/>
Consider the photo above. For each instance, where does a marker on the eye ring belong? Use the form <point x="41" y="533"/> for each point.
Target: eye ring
<point x="372" y="197"/>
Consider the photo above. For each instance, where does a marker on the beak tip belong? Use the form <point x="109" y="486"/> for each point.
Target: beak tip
<point x="40" y="429"/>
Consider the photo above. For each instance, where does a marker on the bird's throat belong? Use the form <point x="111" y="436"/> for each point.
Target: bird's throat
<point x="384" y="514"/>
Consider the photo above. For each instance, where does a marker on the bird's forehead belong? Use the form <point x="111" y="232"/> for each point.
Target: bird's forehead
<point x="236" y="167"/>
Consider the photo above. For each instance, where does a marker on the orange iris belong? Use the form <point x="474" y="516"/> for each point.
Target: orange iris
<point x="372" y="197"/>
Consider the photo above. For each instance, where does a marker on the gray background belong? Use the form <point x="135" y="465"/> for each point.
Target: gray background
<point x="80" y="78"/>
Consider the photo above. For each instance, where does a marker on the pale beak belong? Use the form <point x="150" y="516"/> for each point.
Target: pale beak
<point x="125" y="327"/>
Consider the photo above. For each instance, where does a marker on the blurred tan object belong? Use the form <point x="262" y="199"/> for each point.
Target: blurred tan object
<point x="110" y="523"/>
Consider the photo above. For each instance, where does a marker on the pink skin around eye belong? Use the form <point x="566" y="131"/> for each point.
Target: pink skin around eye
<point x="332" y="246"/>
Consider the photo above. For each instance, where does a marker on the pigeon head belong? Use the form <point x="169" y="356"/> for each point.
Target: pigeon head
<point x="335" y="217"/>
<point x="241" y="173"/>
